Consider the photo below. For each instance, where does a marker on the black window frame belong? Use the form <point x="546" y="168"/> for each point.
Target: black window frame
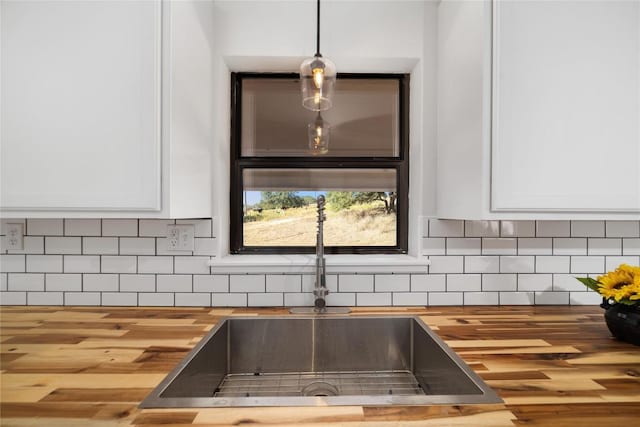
<point x="239" y="163"/>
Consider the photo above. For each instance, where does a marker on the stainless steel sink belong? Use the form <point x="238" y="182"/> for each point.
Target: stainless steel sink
<point x="320" y="360"/>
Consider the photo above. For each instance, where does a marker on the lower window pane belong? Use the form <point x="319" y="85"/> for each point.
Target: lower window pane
<point x="279" y="207"/>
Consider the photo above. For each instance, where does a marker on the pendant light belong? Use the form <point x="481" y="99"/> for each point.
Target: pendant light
<point x="317" y="77"/>
<point x="319" y="132"/>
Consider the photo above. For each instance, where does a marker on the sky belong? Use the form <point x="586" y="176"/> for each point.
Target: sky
<point x="253" y="197"/>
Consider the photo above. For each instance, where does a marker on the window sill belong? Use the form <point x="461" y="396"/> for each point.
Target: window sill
<point x="305" y="264"/>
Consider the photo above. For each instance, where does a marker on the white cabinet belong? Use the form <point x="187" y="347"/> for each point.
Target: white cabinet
<point x="539" y="109"/>
<point x="95" y="109"/>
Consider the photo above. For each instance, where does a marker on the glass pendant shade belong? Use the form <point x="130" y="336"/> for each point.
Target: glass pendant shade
<point x="318" y="81"/>
<point x="319" y="132"/>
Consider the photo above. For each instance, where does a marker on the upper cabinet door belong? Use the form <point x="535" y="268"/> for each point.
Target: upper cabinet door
<point x="81" y="105"/>
<point x="566" y="106"/>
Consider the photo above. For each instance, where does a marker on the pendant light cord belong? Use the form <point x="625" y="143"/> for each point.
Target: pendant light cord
<point x="318" y="30"/>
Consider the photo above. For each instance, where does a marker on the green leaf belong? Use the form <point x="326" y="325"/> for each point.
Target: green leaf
<point x="590" y="283"/>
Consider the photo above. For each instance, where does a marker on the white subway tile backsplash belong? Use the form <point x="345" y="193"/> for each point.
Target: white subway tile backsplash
<point x="45" y="298"/>
<point x="517" y="298"/>
<point x="155" y="264"/>
<point x="446" y="264"/>
<point x="535" y="282"/>
<point x="553" y="228"/>
<point x="355" y="283"/>
<point x="623" y="228"/>
<point x="482" y="228"/>
<point x="584" y="298"/>
<point x="570" y="246"/>
<point x="446" y="298"/>
<point x="518" y="228"/>
<point x="612" y="262"/>
<point x="309" y="282"/>
<point x="13" y="263"/>
<point x="193" y="299"/>
<point x="587" y="228"/>
<point x="446" y="228"/>
<point x="63" y="282"/>
<point x="82" y="298"/>
<point x="373" y="299"/>
<point x="100" y="245"/>
<point x="100" y="282"/>
<point x="481" y="264"/>
<point x="118" y="264"/>
<point x="433" y="245"/>
<point x="174" y="283"/>
<point x="202" y="227"/>
<point x="463" y="246"/>
<point x="137" y="246"/>
<point x="13" y="298"/>
<point x="137" y="283"/>
<point x="119" y="299"/>
<point x="552" y="298"/>
<point x="26" y="282"/>
<point x="206" y="283"/>
<point x="283" y="283"/>
<point x="45" y="227"/>
<point x="44" y="263"/>
<point x="464" y="282"/>
<point x="410" y="298"/>
<point x="499" y="282"/>
<point x="158" y="299"/>
<point x="63" y="245"/>
<point x="125" y="262"/>
<point x="119" y="227"/>
<point x="587" y="264"/>
<point x="481" y="298"/>
<point x="342" y="299"/>
<point x="568" y="282"/>
<point x="298" y="299"/>
<point x="191" y="265"/>
<point x="517" y="264"/>
<point x="153" y="227"/>
<point x="82" y="227"/>
<point x="428" y="283"/>
<point x="392" y="282"/>
<point x="535" y="246"/>
<point x="247" y="283"/>
<point x="605" y="247"/>
<point x="630" y="247"/>
<point x="205" y="246"/>
<point x="494" y="246"/>
<point x="553" y="264"/>
<point x="81" y="263"/>
<point x="31" y="245"/>
<point x="229" y="300"/>
<point x="265" y="300"/>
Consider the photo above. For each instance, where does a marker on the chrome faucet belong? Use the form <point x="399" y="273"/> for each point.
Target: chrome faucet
<point x="320" y="290"/>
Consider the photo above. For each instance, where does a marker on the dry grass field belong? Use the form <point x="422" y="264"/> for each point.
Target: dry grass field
<point x="360" y="225"/>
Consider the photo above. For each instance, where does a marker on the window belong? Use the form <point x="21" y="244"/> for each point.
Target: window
<point x="276" y="176"/>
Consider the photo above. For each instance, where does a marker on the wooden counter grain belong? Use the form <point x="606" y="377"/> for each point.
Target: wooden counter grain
<point x="71" y="366"/>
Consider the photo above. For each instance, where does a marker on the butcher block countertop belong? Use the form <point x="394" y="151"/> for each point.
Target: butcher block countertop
<point x="553" y="366"/>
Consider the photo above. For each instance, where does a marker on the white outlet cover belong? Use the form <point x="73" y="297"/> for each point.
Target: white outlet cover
<point x="180" y="237"/>
<point x="14" y="240"/>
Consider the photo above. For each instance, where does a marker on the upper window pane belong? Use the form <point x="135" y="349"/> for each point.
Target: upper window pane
<point x="364" y="120"/>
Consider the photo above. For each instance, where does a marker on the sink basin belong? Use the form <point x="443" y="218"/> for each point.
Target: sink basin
<point x="318" y="361"/>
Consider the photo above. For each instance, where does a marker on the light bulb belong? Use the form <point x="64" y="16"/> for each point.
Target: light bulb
<point x="318" y="77"/>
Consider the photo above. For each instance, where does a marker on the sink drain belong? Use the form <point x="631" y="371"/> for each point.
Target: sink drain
<point x="319" y="389"/>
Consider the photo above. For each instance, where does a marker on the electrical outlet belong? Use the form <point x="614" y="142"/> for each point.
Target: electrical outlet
<point x="15" y="237"/>
<point x="180" y="237"/>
